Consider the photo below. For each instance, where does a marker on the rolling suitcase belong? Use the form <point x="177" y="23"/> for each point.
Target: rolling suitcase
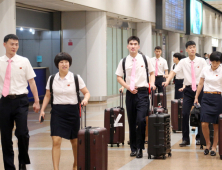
<point x="202" y="139"/>
<point x="92" y="149"/>
<point x="162" y="107"/>
<point x="159" y="143"/>
<point x="176" y="114"/>
<point x="114" y="122"/>
<point x="220" y="135"/>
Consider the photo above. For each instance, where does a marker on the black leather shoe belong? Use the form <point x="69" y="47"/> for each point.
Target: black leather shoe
<point x="184" y="143"/>
<point x="213" y="153"/>
<point x="206" y="151"/>
<point x="198" y="142"/>
<point x="22" y="167"/>
<point x="133" y="153"/>
<point x="139" y="153"/>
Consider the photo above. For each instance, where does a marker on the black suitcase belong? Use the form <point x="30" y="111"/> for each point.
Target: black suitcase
<point x="202" y="139"/>
<point x="159" y="143"/>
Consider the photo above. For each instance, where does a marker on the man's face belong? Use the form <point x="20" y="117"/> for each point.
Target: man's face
<point x="11" y="46"/>
<point x="133" y="46"/>
<point x="158" y="52"/>
<point x="191" y="50"/>
<point x="175" y="60"/>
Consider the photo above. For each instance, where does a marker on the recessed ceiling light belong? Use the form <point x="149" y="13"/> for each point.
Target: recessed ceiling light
<point x="21" y="29"/>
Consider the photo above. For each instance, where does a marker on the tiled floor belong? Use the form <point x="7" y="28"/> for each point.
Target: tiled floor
<point x="186" y="158"/>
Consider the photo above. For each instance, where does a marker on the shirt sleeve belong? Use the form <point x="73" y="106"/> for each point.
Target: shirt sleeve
<point x="119" y="70"/>
<point x="178" y="68"/>
<point x="29" y="71"/>
<point x="47" y="85"/>
<point x="165" y="65"/>
<point x="81" y="82"/>
<point x="172" y="68"/>
<point x="202" y="74"/>
<point x="150" y="65"/>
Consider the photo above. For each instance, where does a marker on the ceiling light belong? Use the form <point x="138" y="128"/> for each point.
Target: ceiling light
<point x="30" y="30"/>
<point x="21" y="29"/>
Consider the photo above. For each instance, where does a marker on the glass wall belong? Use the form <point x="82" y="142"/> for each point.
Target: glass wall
<point x="116" y="50"/>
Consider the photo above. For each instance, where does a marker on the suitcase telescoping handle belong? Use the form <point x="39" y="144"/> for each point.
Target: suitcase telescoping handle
<point x="152" y="100"/>
<point x="84" y="117"/>
<point x="121" y="98"/>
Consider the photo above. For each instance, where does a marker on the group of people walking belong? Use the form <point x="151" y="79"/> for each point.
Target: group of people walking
<point x="196" y="81"/>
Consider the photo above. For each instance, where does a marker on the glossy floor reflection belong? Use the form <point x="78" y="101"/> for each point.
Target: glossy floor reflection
<point x="186" y="158"/>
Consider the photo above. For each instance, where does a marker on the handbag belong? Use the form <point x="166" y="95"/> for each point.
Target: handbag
<point x="195" y="115"/>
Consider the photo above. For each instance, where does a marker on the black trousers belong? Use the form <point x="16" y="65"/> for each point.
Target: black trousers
<point x="158" y="83"/>
<point x="137" y="106"/>
<point x="14" y="110"/>
<point x="178" y="84"/>
<point x="188" y="101"/>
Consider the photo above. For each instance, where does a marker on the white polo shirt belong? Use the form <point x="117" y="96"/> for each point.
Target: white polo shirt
<point x="21" y="72"/>
<point x="185" y="66"/>
<point x="162" y="65"/>
<point x="212" y="79"/>
<point x="64" y="90"/>
<point x="141" y="77"/>
<point x="179" y="75"/>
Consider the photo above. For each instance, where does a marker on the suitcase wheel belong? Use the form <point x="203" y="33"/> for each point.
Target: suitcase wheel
<point x="174" y="131"/>
<point x="164" y="156"/>
<point x="128" y="142"/>
<point x="169" y="154"/>
<point x="111" y="145"/>
<point x="221" y="157"/>
<point x="117" y="144"/>
<point x="201" y="146"/>
<point x="149" y="156"/>
<point x="123" y="143"/>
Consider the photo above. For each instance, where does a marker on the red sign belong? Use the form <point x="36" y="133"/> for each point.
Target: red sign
<point x="70" y="43"/>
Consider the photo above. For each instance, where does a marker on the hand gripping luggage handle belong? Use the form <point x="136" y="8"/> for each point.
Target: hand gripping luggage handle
<point x="84" y="117"/>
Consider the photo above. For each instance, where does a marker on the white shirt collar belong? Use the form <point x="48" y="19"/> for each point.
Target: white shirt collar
<point x="66" y="77"/>
<point x="14" y="58"/>
<point x="135" y="57"/>
<point x="217" y="70"/>
<point x="158" y="58"/>
<point x="194" y="60"/>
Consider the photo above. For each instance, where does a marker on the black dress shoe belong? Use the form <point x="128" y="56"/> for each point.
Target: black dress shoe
<point x="198" y="142"/>
<point x="184" y="143"/>
<point x="139" y="153"/>
<point x="22" y="167"/>
<point x="213" y="153"/>
<point x="206" y="151"/>
<point x="133" y="153"/>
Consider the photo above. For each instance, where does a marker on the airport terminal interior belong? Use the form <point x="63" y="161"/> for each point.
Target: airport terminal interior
<point x="95" y="33"/>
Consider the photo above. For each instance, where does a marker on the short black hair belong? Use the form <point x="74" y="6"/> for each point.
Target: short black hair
<point x="135" y="38"/>
<point x="205" y="53"/>
<point x="158" y="48"/>
<point x="216" y="56"/>
<point x="62" y="56"/>
<point x="10" y="36"/>
<point x="190" y="43"/>
<point x="198" y="55"/>
<point x="178" y="55"/>
<point x="183" y="56"/>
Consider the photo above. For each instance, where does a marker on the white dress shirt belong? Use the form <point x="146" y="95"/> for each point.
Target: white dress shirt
<point x="64" y="90"/>
<point x="212" y="79"/>
<point x="141" y="76"/>
<point x="179" y="74"/>
<point x="185" y="66"/>
<point x="21" y="72"/>
<point x="162" y="65"/>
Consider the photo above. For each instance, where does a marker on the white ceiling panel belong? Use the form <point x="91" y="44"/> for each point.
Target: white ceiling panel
<point x="57" y="5"/>
<point x="215" y="3"/>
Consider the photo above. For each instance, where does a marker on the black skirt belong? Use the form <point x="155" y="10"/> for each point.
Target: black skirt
<point x="211" y="106"/>
<point x="65" y="121"/>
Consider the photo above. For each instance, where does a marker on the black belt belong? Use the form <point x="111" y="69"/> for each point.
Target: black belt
<point x="14" y="96"/>
<point x="142" y="88"/>
<point x="190" y="86"/>
<point x="159" y="76"/>
<point x="179" y="79"/>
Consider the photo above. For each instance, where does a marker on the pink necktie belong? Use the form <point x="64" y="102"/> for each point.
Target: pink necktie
<point x="194" y="87"/>
<point x="156" y="70"/>
<point x="6" y="86"/>
<point x="132" y="80"/>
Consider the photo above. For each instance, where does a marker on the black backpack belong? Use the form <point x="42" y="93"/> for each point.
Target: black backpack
<point x="146" y="65"/>
<point x="77" y="90"/>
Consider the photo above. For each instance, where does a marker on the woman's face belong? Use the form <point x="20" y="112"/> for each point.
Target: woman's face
<point x="64" y="65"/>
<point x="215" y="64"/>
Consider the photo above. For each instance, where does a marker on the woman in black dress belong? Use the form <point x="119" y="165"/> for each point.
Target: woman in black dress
<point x="65" y="120"/>
<point x="211" y="79"/>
